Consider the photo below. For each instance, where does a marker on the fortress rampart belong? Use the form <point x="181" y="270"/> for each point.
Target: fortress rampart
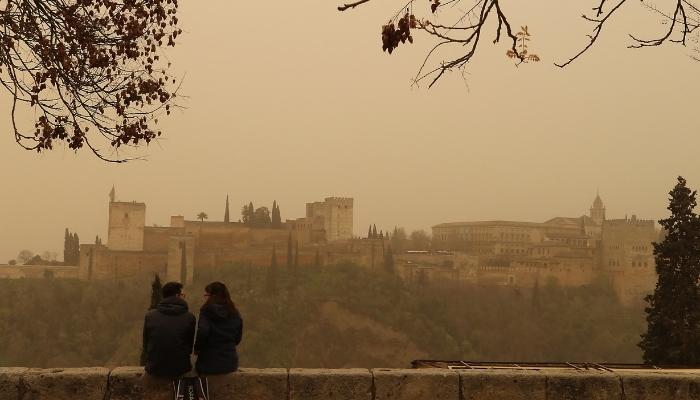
<point x="129" y="383"/>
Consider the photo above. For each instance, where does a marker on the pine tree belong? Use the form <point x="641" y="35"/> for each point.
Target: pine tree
<point x="289" y="252"/>
<point x="673" y="311"/>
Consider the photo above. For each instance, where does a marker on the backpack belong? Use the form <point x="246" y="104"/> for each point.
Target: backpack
<point x="191" y="388"/>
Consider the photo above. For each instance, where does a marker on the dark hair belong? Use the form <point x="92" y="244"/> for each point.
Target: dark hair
<point x="171" y="289"/>
<point x="218" y="294"/>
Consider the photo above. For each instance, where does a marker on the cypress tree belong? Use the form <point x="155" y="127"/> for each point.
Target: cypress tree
<point x="673" y="311"/>
<point x="227" y="217"/>
<point x="251" y="214"/>
<point x="183" y="263"/>
<point x="66" y="248"/>
<point x="156" y="292"/>
<point x="272" y="213"/>
<point x="156" y="297"/>
<point x="279" y="216"/>
<point x="71" y="248"/>
<point x="276" y="216"/>
<point x="76" y="249"/>
<point x="289" y="251"/>
<point x="271" y="279"/>
<point x="369" y="232"/>
<point x="374" y="232"/>
<point x="389" y="261"/>
<point x="296" y="255"/>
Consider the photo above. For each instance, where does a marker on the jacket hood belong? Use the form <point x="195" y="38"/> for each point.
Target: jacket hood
<point x="172" y="305"/>
<point x="216" y="311"/>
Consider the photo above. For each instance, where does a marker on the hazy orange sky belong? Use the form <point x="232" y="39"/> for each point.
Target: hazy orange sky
<point x="294" y="101"/>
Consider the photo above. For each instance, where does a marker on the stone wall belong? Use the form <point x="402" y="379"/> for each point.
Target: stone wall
<point x="129" y="383"/>
<point x="38" y="271"/>
<point x="100" y="263"/>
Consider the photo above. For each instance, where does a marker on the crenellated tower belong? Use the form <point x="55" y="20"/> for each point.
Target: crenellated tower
<point x="337" y="213"/>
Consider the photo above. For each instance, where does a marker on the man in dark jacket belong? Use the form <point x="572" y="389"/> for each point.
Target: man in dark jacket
<point x="168" y="333"/>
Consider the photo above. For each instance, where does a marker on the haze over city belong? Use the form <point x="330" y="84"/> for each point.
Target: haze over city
<point x="299" y="113"/>
<point x="355" y="199"/>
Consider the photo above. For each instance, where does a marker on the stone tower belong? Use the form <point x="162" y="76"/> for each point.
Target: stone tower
<point x="598" y="210"/>
<point x="337" y="213"/>
<point x="126" y="223"/>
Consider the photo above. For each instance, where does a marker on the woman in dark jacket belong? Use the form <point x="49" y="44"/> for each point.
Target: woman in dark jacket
<point x="219" y="332"/>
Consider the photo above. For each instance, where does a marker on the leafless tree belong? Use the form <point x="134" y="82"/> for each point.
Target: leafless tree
<point x="468" y="29"/>
<point x="93" y="72"/>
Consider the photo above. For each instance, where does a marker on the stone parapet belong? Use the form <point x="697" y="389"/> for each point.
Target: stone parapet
<point x="130" y="383"/>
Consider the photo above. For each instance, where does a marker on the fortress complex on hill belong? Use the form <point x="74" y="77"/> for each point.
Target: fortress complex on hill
<point x="570" y="251"/>
<point x="573" y="251"/>
<point x="134" y="249"/>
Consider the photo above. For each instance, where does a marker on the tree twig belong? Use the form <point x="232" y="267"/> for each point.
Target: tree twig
<point x="352" y="5"/>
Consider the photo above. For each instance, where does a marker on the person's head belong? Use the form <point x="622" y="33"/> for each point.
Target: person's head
<point x="217" y="293"/>
<point x="172" y="289"/>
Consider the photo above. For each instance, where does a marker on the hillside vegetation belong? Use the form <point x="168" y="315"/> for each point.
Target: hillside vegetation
<point x="339" y="316"/>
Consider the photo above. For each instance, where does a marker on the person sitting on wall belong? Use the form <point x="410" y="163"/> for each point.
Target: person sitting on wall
<point x="219" y="332"/>
<point x="168" y="334"/>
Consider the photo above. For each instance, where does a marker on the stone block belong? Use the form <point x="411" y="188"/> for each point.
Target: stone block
<point x="249" y="383"/>
<point x="588" y="385"/>
<point x="330" y="384"/>
<point x="415" y="384"/>
<point x="65" y="384"/>
<point x="10" y="383"/>
<point x="658" y="385"/>
<point x="502" y="384"/>
<point x="132" y="383"/>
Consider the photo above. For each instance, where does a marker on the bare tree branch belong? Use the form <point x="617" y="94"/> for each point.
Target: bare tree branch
<point x="352" y="5"/>
<point x="596" y="32"/>
<point x="89" y="69"/>
<point x="685" y="17"/>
